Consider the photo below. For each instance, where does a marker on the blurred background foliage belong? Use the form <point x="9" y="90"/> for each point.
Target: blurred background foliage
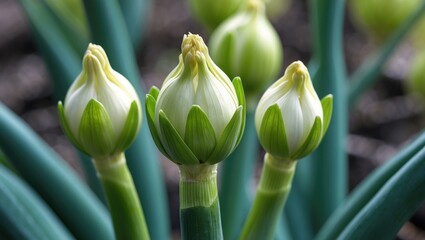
<point x="386" y="117"/>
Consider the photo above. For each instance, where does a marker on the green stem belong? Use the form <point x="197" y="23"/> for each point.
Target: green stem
<point x="235" y="197"/>
<point x="273" y="189"/>
<point x="121" y="196"/>
<point x="329" y="186"/>
<point x="199" y="205"/>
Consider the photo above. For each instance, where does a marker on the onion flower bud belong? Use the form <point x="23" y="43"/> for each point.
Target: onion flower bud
<point x="290" y="119"/>
<point x="213" y="12"/>
<point x="198" y="116"/>
<point x="380" y="18"/>
<point x="102" y="112"/>
<point x="248" y="46"/>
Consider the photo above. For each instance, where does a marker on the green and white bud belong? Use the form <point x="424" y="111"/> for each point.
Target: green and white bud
<point x="380" y="18"/>
<point x="212" y="13"/>
<point x="248" y="46"/>
<point x="102" y="112"/>
<point x="290" y="118"/>
<point x="198" y="115"/>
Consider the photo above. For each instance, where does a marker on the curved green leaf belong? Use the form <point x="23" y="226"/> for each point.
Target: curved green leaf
<point x="327" y="106"/>
<point x="66" y="129"/>
<point x="228" y="140"/>
<point x="23" y="214"/>
<point x="237" y="83"/>
<point x="392" y="205"/>
<point x="179" y="152"/>
<point x="54" y="180"/>
<point x="272" y="132"/>
<point x="150" y="115"/>
<point x="95" y="131"/>
<point x="130" y="130"/>
<point x="312" y="141"/>
<point x="154" y="92"/>
<point x="199" y="134"/>
<point x="365" y="191"/>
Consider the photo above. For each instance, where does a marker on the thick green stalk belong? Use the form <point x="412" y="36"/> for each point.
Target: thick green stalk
<point x="235" y="182"/>
<point x="23" y="214"/>
<point x="329" y="185"/>
<point x="368" y="72"/>
<point x="108" y="29"/>
<point x="367" y="189"/>
<point x="392" y="205"/>
<point x="121" y="196"/>
<point x="199" y="204"/>
<point x="55" y="181"/>
<point x="273" y="189"/>
<point x="297" y="208"/>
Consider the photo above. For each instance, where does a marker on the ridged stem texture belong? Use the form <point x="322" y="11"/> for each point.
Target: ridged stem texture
<point x="272" y="192"/>
<point x="121" y="196"/>
<point x="199" y="204"/>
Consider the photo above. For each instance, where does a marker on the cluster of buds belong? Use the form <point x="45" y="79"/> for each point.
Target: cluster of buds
<point x="102" y="112"/>
<point x="198" y="116"/>
<point x="290" y="118"/>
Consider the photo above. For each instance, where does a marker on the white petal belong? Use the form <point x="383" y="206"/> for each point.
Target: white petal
<point x="292" y="118"/>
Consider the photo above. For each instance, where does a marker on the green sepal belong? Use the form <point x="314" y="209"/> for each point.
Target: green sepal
<point x="130" y="130"/>
<point x="66" y="129"/>
<point x="272" y="133"/>
<point x="311" y="142"/>
<point x="237" y="83"/>
<point x="327" y="106"/>
<point x="176" y="148"/>
<point x="150" y="115"/>
<point x="199" y="135"/>
<point x="154" y="92"/>
<point x="96" y="133"/>
<point x="228" y="139"/>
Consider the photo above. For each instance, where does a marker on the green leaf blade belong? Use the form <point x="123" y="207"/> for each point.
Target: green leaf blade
<point x="130" y="130"/>
<point x="227" y="141"/>
<point x="273" y="134"/>
<point x="179" y="152"/>
<point x="96" y="131"/>
<point x="199" y="134"/>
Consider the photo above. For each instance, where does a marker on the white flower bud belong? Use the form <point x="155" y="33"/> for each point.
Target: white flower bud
<point x="290" y="118"/>
<point x="101" y="113"/>
<point x="198" y="101"/>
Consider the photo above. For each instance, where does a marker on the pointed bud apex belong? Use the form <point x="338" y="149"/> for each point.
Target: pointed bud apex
<point x="290" y="118"/>
<point x="194" y="108"/>
<point x="248" y="46"/>
<point x="101" y="114"/>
